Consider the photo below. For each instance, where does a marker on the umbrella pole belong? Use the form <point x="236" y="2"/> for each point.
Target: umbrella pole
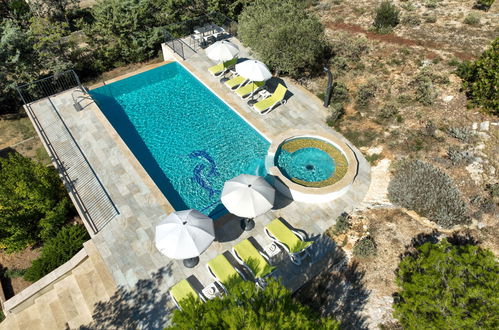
<point x="191" y="262"/>
<point x="247" y="224"/>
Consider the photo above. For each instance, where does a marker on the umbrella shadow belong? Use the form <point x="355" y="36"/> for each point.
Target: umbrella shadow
<point x="228" y="228"/>
<point x="281" y="201"/>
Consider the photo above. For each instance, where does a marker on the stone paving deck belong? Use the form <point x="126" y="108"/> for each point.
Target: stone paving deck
<point x="126" y="243"/>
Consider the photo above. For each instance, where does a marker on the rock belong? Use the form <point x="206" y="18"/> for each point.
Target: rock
<point x="480" y="225"/>
<point x="448" y="98"/>
<point x="484" y="126"/>
<point x="374" y="150"/>
<point x="483" y="135"/>
<point x="476" y="170"/>
<point x="492" y="171"/>
<point x="474" y="126"/>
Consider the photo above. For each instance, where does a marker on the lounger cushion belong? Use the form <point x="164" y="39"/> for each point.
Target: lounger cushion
<point x="277" y="96"/>
<point x="249" y="88"/>
<point x="182" y="291"/>
<point x="217" y="68"/>
<point x="251" y="257"/>
<point x="283" y="234"/>
<point x="222" y="269"/>
<point x="235" y="81"/>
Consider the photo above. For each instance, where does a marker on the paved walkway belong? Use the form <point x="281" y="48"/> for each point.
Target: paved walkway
<point x="126" y="243"/>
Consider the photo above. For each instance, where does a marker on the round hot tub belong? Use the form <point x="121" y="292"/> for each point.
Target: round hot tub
<point x="312" y="168"/>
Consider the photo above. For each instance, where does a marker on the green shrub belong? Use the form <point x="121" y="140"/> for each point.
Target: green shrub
<point x="14" y="273"/>
<point x="445" y="286"/>
<point x="342" y="224"/>
<point x="484" y="4"/>
<point x="365" y="247"/>
<point x="249" y="307"/>
<point x="336" y="112"/>
<point x="421" y="187"/>
<point x="33" y="202"/>
<point x="365" y="93"/>
<point x="463" y="134"/>
<point x="388" y="111"/>
<point x="458" y="156"/>
<point x="481" y="78"/>
<point x="373" y="159"/>
<point x="472" y="19"/>
<point x="425" y="90"/>
<point x="386" y="17"/>
<point x="284" y="35"/>
<point x="56" y="251"/>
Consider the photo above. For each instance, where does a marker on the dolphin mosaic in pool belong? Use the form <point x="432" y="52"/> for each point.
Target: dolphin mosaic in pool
<point x="198" y="170"/>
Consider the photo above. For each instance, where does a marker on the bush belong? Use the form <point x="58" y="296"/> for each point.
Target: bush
<point x="387" y="17"/>
<point x="283" y="35"/>
<point x="484" y="4"/>
<point x="336" y="112"/>
<point x="14" y="273"/>
<point x="387" y="112"/>
<point x="472" y="19"/>
<point x="444" y="286"/>
<point x="481" y="78"/>
<point x="458" y="156"/>
<point x="365" y="247"/>
<point x="463" y="134"/>
<point x="248" y="307"/>
<point x="57" y="251"/>
<point x="421" y="187"/>
<point x="425" y="90"/>
<point x="364" y="94"/>
<point x="33" y="202"/>
<point x="342" y="224"/>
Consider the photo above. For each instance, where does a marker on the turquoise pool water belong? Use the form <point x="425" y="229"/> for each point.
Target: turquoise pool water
<point x="307" y="164"/>
<point x="187" y="139"/>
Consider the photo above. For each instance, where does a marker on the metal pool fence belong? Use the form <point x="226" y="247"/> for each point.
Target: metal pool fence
<point x="89" y="195"/>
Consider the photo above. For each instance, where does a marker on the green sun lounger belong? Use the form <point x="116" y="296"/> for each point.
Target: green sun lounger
<point x="223" y="67"/>
<point x="265" y="106"/>
<point x="235" y="82"/>
<point x="256" y="262"/>
<point x="182" y="291"/>
<point x="249" y="89"/>
<point x="223" y="272"/>
<point x="292" y="241"/>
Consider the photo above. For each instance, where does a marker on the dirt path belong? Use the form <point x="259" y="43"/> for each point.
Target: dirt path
<point x="429" y="46"/>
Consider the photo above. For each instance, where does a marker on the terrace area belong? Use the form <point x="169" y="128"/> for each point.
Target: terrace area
<point x="126" y="242"/>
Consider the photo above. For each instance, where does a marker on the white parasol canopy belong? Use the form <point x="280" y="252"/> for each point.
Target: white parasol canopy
<point x="248" y="195"/>
<point x="222" y="51"/>
<point x="184" y="234"/>
<point x="253" y="70"/>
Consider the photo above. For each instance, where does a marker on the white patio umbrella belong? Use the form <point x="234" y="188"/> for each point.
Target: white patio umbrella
<point x="248" y="196"/>
<point x="222" y="51"/>
<point x="185" y="235"/>
<point x="253" y="70"/>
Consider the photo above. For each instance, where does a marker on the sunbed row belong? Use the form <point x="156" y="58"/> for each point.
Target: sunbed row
<point x="245" y="88"/>
<point x="256" y="263"/>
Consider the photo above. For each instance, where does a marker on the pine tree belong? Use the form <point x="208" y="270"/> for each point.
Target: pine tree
<point x="445" y="286"/>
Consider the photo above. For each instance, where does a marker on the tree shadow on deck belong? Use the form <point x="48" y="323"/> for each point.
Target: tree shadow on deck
<point x="338" y="292"/>
<point x="142" y="307"/>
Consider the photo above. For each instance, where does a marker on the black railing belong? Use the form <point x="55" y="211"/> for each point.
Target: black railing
<point x="49" y="86"/>
<point x="175" y="33"/>
<point x="91" y="198"/>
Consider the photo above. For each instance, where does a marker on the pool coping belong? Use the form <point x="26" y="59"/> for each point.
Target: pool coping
<point x="347" y="151"/>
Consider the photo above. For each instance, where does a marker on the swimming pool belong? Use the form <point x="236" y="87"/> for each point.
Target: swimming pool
<point x="187" y="139"/>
